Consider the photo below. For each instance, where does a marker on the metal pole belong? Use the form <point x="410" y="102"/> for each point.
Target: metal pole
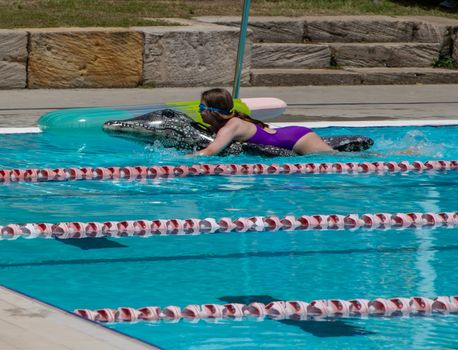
<point x="241" y="48"/>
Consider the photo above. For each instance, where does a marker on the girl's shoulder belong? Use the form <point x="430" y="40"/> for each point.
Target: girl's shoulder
<point x="235" y="122"/>
<point x="240" y="121"/>
<point x="239" y="128"/>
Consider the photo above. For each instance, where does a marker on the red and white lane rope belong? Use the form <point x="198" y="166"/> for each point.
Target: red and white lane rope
<point x="147" y="228"/>
<point x="281" y="310"/>
<point x="152" y="172"/>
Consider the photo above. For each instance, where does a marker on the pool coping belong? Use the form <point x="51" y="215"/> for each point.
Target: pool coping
<point x="314" y="125"/>
<point x="30" y="323"/>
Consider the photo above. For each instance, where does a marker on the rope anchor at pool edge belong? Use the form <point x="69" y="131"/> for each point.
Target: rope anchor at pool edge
<point x="279" y="310"/>
<point x="165" y="171"/>
<point x="193" y="226"/>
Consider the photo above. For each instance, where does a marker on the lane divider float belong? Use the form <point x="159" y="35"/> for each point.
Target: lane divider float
<point x="193" y="226"/>
<point x="278" y="310"/>
<point x="166" y="171"/>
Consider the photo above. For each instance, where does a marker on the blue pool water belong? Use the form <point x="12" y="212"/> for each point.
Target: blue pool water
<point x="239" y="267"/>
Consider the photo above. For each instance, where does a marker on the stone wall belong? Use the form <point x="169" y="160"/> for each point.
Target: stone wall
<point x="195" y="54"/>
<point x="203" y="51"/>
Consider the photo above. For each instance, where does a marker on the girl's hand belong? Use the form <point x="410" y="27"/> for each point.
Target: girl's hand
<point x="196" y="154"/>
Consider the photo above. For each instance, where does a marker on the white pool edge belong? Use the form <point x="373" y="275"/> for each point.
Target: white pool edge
<point x="372" y="123"/>
<point x="31" y="130"/>
<point x="313" y="125"/>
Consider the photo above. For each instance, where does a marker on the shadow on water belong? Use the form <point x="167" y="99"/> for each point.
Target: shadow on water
<point x="91" y="243"/>
<point x="221" y="256"/>
<point x="322" y="329"/>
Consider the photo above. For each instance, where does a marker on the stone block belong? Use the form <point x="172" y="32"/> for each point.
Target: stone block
<point x="266" y="29"/>
<point x="454" y="49"/>
<point x="13" y="59"/>
<point x="358" y="29"/>
<point x="192" y="56"/>
<point x="12" y="75"/>
<point x="353" y="76"/>
<point x="385" y="54"/>
<point x="85" y="58"/>
<point x="429" y="33"/>
<point x="290" y="56"/>
<point x="400" y="76"/>
<point x="13" y="46"/>
<point x="434" y="33"/>
<point x="302" y="77"/>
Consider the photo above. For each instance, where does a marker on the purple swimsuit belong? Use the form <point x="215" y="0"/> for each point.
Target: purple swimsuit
<point x="285" y="137"/>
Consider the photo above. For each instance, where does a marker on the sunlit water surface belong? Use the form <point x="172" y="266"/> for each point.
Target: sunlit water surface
<point x="239" y="267"/>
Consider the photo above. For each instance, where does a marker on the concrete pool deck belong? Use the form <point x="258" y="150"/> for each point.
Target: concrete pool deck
<point x="22" y="108"/>
<point x="27" y="324"/>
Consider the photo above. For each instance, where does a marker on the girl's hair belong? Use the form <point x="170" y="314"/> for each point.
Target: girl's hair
<point x="222" y="99"/>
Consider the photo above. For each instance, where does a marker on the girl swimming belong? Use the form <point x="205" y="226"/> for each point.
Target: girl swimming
<point x="216" y="108"/>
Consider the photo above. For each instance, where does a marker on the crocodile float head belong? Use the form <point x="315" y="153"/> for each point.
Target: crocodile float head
<point x="175" y="129"/>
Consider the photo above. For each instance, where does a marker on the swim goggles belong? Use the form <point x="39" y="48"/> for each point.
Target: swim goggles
<point x="203" y="107"/>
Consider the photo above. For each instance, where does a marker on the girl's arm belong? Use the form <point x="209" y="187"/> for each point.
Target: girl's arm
<point x="223" y="138"/>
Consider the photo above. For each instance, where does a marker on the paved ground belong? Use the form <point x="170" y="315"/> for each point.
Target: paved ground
<point x="21" y="108"/>
<point x="27" y="324"/>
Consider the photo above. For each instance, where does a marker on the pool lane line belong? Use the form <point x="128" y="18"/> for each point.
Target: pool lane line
<point x="194" y="226"/>
<point x="279" y="310"/>
<point x="311" y="124"/>
<point x="167" y="171"/>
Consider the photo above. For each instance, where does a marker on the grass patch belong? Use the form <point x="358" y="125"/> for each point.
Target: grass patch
<point x="445" y="62"/>
<point x="125" y="13"/>
<point x="148" y="86"/>
<point x="333" y="64"/>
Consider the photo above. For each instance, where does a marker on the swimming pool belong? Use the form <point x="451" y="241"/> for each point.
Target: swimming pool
<point x="238" y="267"/>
